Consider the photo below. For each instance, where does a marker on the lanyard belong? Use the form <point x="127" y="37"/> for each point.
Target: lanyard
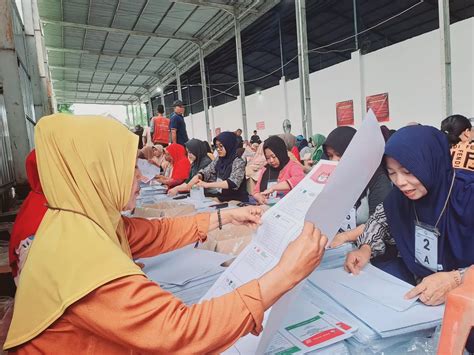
<point x="445" y="204"/>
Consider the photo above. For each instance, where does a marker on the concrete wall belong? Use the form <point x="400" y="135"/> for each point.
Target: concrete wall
<point x="409" y="71"/>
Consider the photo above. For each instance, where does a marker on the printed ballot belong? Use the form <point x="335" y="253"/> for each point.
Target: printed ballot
<point x="324" y="197"/>
<point x="149" y="171"/>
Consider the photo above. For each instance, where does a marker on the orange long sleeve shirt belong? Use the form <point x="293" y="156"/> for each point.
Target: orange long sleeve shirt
<point x="133" y="315"/>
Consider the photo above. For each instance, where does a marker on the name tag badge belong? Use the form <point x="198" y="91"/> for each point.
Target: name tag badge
<point x="350" y="221"/>
<point x="426" y="246"/>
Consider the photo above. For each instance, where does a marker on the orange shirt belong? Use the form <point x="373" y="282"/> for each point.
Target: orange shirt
<point x="161" y="132"/>
<point x="134" y="315"/>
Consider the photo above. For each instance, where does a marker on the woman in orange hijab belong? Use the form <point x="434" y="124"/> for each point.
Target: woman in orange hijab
<point x="80" y="291"/>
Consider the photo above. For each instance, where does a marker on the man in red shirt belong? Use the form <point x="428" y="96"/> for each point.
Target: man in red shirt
<point x="161" y="128"/>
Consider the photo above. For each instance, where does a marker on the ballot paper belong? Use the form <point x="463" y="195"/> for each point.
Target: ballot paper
<point x="283" y="222"/>
<point x="378" y="286"/>
<point x="149" y="171"/>
<point x="181" y="266"/>
<point x="309" y="327"/>
<point x="385" y="320"/>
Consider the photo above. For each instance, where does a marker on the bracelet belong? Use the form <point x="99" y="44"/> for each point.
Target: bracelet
<point x="219" y="218"/>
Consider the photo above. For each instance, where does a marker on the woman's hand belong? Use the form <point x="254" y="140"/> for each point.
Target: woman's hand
<point x="173" y="192"/>
<point x="433" y="289"/>
<point x="357" y="259"/>
<point x="268" y="192"/>
<point x="261" y="200"/>
<point x="303" y="254"/>
<point x="203" y="184"/>
<point x="249" y="216"/>
<point x="338" y="240"/>
<point x="299" y="259"/>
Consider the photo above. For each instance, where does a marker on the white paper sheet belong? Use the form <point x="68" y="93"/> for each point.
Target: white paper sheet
<point x="180" y="266"/>
<point x="147" y="170"/>
<point x="284" y="221"/>
<point x="387" y="290"/>
<point x="354" y="171"/>
<point x="343" y="186"/>
<point x="378" y="316"/>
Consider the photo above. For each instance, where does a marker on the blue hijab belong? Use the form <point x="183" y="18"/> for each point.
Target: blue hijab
<point x="224" y="164"/>
<point x="424" y="151"/>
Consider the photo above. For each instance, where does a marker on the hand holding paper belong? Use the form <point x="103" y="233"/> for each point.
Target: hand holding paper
<point x="304" y="254"/>
<point x="250" y="216"/>
<point x="357" y="259"/>
<point x="299" y="259"/>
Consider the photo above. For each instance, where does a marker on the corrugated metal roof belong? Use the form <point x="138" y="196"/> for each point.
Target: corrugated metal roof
<point x="65" y="32"/>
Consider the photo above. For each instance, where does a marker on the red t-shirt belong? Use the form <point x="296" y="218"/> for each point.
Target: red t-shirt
<point x="161" y="132"/>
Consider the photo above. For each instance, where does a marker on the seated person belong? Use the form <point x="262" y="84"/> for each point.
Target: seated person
<point x="374" y="194"/>
<point x="457" y="128"/>
<point x="226" y="174"/>
<point x="111" y="307"/>
<point x="197" y="155"/>
<point x="430" y="198"/>
<point x="280" y="174"/>
<point x="175" y="154"/>
<point x="290" y="141"/>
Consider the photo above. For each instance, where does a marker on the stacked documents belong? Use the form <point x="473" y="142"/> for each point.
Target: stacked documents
<point x="335" y="257"/>
<point x="377" y="299"/>
<point x="188" y="273"/>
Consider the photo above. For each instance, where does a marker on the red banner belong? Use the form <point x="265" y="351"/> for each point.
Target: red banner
<point x="260" y="125"/>
<point x="345" y="113"/>
<point x="379" y="104"/>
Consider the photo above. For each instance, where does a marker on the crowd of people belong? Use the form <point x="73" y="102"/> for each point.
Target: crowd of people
<point x="70" y="228"/>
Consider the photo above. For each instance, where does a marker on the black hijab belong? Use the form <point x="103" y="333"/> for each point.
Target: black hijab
<point x="339" y="139"/>
<point x="278" y="147"/>
<point x="224" y="164"/>
<point x="199" y="150"/>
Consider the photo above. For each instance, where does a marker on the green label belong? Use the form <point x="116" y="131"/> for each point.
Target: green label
<point x="289" y="351"/>
<point x="297" y="325"/>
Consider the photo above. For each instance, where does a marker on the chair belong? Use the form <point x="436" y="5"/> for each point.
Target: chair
<point x="458" y="317"/>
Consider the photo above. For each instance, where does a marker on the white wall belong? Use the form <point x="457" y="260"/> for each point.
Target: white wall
<point x="409" y="71"/>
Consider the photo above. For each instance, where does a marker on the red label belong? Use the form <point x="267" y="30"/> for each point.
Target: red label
<point x="378" y="104"/>
<point x="322" y="337"/>
<point x="343" y="326"/>
<point x="345" y="113"/>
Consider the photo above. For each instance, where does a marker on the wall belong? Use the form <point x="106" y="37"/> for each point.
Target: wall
<point x="409" y="71"/>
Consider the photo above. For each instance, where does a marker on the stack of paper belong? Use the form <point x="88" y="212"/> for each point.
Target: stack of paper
<point x="335" y="257"/>
<point x="376" y="298"/>
<point x="188" y="273"/>
<point x="307" y="328"/>
<point x="149" y="171"/>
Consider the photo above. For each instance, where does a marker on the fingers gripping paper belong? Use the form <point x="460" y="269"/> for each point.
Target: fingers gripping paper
<point x="324" y="198"/>
<point x="345" y="184"/>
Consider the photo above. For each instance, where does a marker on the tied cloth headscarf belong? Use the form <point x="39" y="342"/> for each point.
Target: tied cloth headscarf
<point x="318" y="141"/>
<point x="199" y="150"/>
<point x="81" y="242"/>
<point x="424" y="152"/>
<point x="224" y="164"/>
<point x="181" y="164"/>
<point x="31" y="212"/>
<point x="278" y="147"/>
